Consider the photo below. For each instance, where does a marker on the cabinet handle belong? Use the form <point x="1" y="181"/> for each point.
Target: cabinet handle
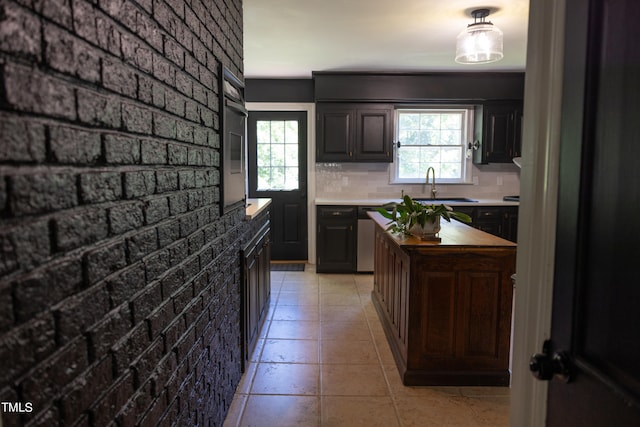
<point x="350" y="154"/>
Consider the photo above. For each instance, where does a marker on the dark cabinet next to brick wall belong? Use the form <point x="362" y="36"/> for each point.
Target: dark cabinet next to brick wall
<point x="256" y="288"/>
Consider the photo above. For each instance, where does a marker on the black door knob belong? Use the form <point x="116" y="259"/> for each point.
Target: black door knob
<point x="545" y="366"/>
<point x="541" y="366"/>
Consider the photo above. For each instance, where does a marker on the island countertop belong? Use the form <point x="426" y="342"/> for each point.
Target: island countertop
<point x="452" y="234"/>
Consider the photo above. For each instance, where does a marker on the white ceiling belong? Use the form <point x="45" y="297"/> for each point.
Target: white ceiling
<point x="292" y="38"/>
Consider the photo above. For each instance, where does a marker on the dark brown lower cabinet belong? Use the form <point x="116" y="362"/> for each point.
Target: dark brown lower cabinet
<point x="257" y="287"/>
<point x="446" y="311"/>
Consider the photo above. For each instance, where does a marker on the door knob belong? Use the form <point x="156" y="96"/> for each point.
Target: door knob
<point x="546" y="365"/>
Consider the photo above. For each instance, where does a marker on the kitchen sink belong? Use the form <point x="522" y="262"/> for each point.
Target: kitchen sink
<point x="445" y="200"/>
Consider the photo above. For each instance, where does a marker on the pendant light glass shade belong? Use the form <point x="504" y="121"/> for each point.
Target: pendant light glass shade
<point x="480" y="42"/>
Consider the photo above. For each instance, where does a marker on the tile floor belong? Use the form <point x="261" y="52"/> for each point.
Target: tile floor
<point x="323" y="360"/>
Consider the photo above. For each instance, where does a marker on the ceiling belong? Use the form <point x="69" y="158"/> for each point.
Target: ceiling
<point x="292" y="38"/>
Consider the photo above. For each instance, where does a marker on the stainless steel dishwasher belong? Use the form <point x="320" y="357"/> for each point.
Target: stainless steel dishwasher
<point x="364" y="260"/>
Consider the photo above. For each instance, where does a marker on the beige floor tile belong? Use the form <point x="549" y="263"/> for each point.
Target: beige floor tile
<point x="264" y="330"/>
<point x="340" y="299"/>
<point x="401" y="391"/>
<point x="294" y="276"/>
<point x="290" y="351"/>
<point x="257" y="350"/>
<point x="346" y="331"/>
<point x="370" y="311"/>
<point x="365" y="300"/>
<point x="300" y="286"/>
<point x="384" y="352"/>
<point x="491" y="411"/>
<point x="286" y="378"/>
<point x="358" y="412"/>
<point x="276" y="284"/>
<point x="335" y="278"/>
<point x="341" y="351"/>
<point x="485" y="391"/>
<point x="337" y="287"/>
<point x="345" y="313"/>
<point x="294" y="329"/>
<point x="281" y="411"/>
<point x="298" y="298"/>
<point x="325" y="360"/>
<point x="353" y="380"/>
<point x="365" y="295"/>
<point x="451" y="411"/>
<point x="297" y="312"/>
<point x="365" y="278"/>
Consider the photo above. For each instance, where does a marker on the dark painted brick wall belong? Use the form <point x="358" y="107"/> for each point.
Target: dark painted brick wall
<point x="119" y="280"/>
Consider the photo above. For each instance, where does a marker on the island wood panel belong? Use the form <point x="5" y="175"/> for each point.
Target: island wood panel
<point x="446" y="309"/>
<point x="391" y="287"/>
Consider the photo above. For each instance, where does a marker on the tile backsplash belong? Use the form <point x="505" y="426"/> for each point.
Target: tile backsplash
<point x="371" y="181"/>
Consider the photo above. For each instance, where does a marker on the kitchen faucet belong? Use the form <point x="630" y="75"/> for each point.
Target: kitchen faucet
<point x="433" y="182"/>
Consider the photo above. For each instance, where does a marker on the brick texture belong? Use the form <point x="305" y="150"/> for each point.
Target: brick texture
<point x="119" y="279"/>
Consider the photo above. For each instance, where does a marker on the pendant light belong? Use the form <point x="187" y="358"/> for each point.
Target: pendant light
<point x="480" y="42"/>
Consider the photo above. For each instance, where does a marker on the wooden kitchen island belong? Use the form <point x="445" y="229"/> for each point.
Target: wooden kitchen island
<point x="446" y="307"/>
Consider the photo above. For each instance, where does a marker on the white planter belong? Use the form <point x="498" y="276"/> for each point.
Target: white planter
<point x="428" y="232"/>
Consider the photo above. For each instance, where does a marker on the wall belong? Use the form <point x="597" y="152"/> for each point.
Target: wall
<point x="119" y="280"/>
<point x="364" y="180"/>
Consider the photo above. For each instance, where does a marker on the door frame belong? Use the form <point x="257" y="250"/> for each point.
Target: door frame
<point x="311" y="161"/>
<point x="538" y="206"/>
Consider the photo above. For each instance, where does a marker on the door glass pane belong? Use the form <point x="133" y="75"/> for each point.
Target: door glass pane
<point x="277" y="155"/>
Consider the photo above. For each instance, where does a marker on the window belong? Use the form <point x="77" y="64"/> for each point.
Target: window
<point x="433" y="137"/>
<point x="277" y="146"/>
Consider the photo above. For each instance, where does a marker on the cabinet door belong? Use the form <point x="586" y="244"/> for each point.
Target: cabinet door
<point x="488" y="219"/>
<point x="374" y="135"/>
<point x="252" y="298"/>
<point x="511" y="223"/>
<point x="499" y="132"/>
<point x="484" y="314"/>
<point x="517" y="132"/>
<point x="335" y="133"/>
<point x="336" y="240"/>
<point x="264" y="274"/>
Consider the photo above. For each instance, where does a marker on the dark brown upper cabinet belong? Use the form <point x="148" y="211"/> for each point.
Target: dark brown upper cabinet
<point x="498" y="132"/>
<point x="354" y="132"/>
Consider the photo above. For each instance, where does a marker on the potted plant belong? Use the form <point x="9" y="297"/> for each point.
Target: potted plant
<point x="419" y="219"/>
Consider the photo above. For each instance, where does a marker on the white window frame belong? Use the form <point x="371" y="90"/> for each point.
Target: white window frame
<point x="466" y="164"/>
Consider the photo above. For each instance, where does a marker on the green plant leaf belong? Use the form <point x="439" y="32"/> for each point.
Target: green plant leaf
<point x="406" y="214"/>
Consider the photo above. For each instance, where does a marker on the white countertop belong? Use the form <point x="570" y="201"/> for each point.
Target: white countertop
<point x="380" y="202"/>
<point x="255" y="206"/>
